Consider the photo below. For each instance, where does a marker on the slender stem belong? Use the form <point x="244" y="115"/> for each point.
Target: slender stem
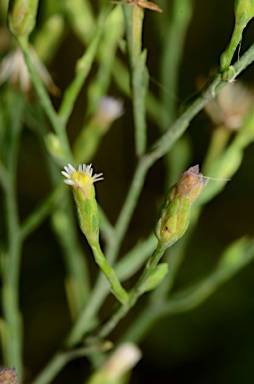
<point x="228" y="54"/>
<point x="116" y="287"/>
<point x="174" y="33"/>
<point x="38" y="215"/>
<point x="45" y="101"/>
<point x="10" y="292"/>
<point x="83" y="67"/>
<point x="127" y="210"/>
<point x="134" y="295"/>
<point x="139" y="74"/>
<point x="3" y="176"/>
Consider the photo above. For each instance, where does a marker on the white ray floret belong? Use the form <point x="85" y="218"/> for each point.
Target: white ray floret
<point x="81" y="177"/>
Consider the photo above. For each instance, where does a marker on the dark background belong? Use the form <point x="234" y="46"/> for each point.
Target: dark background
<point x="213" y="343"/>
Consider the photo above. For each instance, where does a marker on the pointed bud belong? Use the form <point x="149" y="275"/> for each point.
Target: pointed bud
<point x="175" y="214"/>
<point x="84" y="194"/>
<point x="22" y="16"/>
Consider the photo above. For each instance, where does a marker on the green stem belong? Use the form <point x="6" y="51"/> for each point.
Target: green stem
<point x="228" y="54"/>
<point x="139" y="75"/>
<point x="116" y="287"/>
<point x="127" y="210"/>
<point x="134" y="295"/>
<point x="45" y="100"/>
<point x="3" y="176"/>
<point x="83" y="67"/>
<point x="34" y="220"/>
<point x="10" y="292"/>
<point x="173" y="36"/>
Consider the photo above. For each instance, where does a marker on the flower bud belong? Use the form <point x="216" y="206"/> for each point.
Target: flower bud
<point x="84" y="194"/>
<point x="54" y="147"/>
<point x="175" y="214"/>
<point x="244" y="9"/>
<point x="22" y="16"/>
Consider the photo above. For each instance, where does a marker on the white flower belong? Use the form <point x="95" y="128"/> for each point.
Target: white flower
<point x="13" y="67"/>
<point x="109" y="109"/>
<point x="231" y="105"/>
<point x="124" y="358"/>
<point x="82" y="177"/>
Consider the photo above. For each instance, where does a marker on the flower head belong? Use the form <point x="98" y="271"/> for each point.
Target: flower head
<point x="231" y="105"/>
<point x="82" y="181"/>
<point x="13" y="67"/>
<point x="108" y="110"/>
<point x="82" y="178"/>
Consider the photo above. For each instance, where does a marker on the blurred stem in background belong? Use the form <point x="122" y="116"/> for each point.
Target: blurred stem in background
<point x="12" y="348"/>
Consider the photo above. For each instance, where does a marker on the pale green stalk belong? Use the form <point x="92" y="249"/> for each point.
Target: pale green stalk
<point x="45" y="100"/>
<point x="174" y="33"/>
<point x="106" y="56"/>
<point x="134" y="295"/>
<point x="83" y="67"/>
<point x="34" y="220"/>
<point x="139" y="74"/>
<point x="244" y="12"/>
<point x="117" y="290"/>
<point x="10" y="290"/>
<point x="3" y="176"/>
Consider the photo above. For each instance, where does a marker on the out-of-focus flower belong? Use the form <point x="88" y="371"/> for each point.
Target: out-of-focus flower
<point x="231" y="105"/>
<point x="122" y="360"/>
<point x="87" y="142"/>
<point x="8" y="376"/>
<point x="108" y="110"/>
<point x="13" y="68"/>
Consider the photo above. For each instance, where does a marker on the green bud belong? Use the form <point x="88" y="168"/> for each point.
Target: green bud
<point x="22" y="16"/>
<point x="244" y="10"/>
<point x="84" y="195"/>
<point x="175" y="214"/>
<point x="156" y="276"/>
<point x="54" y="147"/>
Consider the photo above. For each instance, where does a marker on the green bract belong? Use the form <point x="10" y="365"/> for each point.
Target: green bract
<point x="22" y="16"/>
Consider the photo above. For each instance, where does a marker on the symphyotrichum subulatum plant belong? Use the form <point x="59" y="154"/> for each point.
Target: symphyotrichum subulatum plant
<point x="93" y="274"/>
